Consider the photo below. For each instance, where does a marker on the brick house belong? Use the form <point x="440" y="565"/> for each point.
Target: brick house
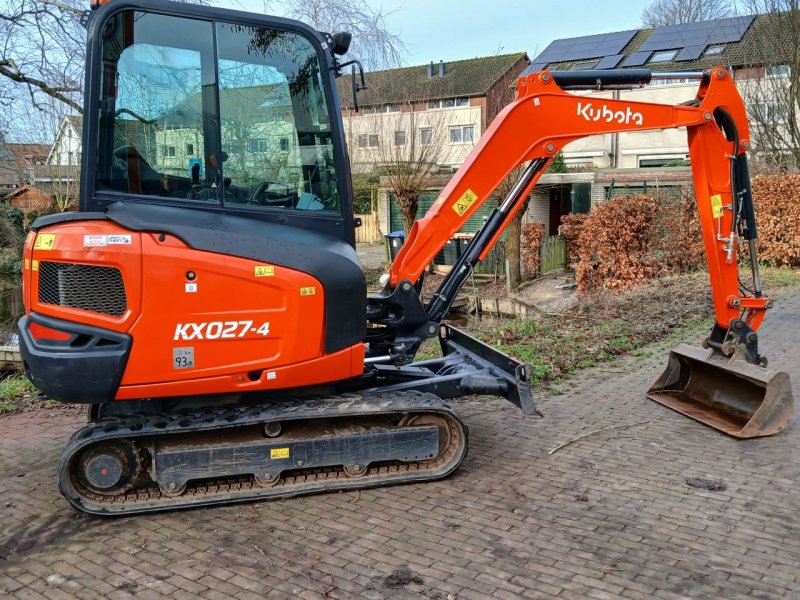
<point x="453" y="101"/>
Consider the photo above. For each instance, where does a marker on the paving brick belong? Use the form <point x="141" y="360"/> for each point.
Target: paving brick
<point x="609" y="516"/>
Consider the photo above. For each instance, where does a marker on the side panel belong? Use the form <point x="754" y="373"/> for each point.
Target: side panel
<point x="221" y="314"/>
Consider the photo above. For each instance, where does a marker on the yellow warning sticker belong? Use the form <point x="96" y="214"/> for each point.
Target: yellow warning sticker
<point x="716" y="205"/>
<point x="278" y="453"/>
<point x="44" y="241"/>
<point x="27" y="264"/>
<point x="462" y="204"/>
<point x="265" y="271"/>
<point x="30" y="237"/>
<point x="34" y="265"/>
<point x="308" y="291"/>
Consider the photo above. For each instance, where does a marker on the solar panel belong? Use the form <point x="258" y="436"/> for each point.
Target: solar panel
<point x="684" y="35"/>
<point x="609" y="62"/>
<point x="637" y="59"/>
<point x="589" y="46"/>
<point x="690" y="52"/>
<point x="533" y="68"/>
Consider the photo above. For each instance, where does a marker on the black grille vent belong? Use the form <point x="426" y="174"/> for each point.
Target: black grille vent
<point x="88" y="287"/>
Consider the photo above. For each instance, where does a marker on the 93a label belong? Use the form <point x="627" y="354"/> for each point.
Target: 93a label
<point x="216" y="330"/>
<point x="183" y="358"/>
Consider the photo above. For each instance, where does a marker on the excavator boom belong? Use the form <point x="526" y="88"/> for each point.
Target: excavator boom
<point x="542" y="119"/>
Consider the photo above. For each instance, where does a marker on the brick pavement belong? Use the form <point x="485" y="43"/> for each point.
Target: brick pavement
<point x="607" y="517"/>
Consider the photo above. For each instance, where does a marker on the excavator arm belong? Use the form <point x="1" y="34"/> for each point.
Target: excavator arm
<point x="544" y="118"/>
<point x="721" y="386"/>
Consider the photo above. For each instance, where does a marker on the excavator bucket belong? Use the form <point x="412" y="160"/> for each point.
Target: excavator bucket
<point x="728" y="394"/>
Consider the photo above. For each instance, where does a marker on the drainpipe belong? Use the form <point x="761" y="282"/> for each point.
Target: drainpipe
<point x="615" y="139"/>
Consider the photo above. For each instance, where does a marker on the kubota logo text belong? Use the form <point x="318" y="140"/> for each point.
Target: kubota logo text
<point x="588" y="112"/>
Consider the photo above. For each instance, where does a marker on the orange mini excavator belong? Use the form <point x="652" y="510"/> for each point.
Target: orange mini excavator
<point x="207" y="304"/>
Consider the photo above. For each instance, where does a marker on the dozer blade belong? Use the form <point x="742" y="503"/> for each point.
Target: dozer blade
<point x="728" y="394"/>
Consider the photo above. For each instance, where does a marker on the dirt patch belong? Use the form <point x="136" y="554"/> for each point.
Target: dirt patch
<point x="400" y="578"/>
<point x="552" y="294"/>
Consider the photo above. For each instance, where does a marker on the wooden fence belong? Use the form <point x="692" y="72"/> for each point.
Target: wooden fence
<point x="553" y="253"/>
<point x="370" y="231"/>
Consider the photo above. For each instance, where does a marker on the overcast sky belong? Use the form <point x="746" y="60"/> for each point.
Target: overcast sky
<point x="436" y="30"/>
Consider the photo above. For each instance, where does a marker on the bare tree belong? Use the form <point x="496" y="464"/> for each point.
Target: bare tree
<point x="42" y="50"/>
<point x="374" y="43"/>
<point x="671" y="12"/>
<point x="771" y="83"/>
<point x="406" y="145"/>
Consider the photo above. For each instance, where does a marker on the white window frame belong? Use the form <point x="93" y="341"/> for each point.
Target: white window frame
<point x="778" y="70"/>
<point x="423" y="133"/>
<point x="663" y="56"/>
<point x="714" y="50"/>
<point x="462" y="130"/>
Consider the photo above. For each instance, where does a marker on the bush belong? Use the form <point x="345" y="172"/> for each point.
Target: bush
<point x="530" y="248"/>
<point x="777" y="200"/>
<point x="571" y="229"/>
<point x="615" y="244"/>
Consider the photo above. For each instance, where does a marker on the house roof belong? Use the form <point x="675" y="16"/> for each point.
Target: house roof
<point x="244" y="103"/>
<point x="76" y="121"/>
<point x="25" y="188"/>
<point x="462" y="79"/>
<point x="23" y="152"/>
<point x="747" y="40"/>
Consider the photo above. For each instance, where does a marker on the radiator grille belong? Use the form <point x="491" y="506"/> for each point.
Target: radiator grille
<point x="88" y="287"/>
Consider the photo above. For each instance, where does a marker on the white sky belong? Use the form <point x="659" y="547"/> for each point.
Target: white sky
<point x="436" y="30"/>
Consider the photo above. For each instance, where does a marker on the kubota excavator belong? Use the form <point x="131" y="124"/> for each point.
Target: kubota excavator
<point x="207" y="304"/>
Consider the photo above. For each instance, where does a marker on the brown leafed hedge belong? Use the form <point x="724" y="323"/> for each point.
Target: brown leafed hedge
<point x="629" y="239"/>
<point x="530" y="248"/>
<point x="777" y="199"/>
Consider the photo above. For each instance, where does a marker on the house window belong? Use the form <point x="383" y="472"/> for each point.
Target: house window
<point x="167" y="150"/>
<point x="663" y="56"/>
<point x="389" y="108"/>
<point x="714" y="50"/>
<point x="284" y="144"/>
<point x="258" y="145"/>
<point x="668" y="161"/>
<point x="368" y="110"/>
<point x="768" y="112"/>
<point x="399" y="138"/>
<point x="426" y="136"/>
<point x="189" y="149"/>
<point x="448" y="103"/>
<point x="462" y="134"/>
<point x="367" y="140"/>
<point x="585" y="65"/>
<point x="778" y="71"/>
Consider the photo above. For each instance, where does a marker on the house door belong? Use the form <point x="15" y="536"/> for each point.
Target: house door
<point x="560" y="205"/>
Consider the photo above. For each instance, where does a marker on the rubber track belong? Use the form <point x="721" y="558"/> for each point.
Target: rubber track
<point x="240" y="489"/>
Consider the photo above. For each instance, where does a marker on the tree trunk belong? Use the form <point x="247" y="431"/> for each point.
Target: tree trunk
<point x="408" y="203"/>
<point x="514" y="233"/>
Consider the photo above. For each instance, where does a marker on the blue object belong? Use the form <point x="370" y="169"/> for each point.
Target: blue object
<point x="193" y="162"/>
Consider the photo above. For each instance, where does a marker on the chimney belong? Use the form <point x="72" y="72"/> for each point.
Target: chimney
<point x="441" y="68"/>
<point x="430" y="70"/>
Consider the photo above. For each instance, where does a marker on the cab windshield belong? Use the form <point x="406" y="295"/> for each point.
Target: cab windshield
<point x="245" y="123"/>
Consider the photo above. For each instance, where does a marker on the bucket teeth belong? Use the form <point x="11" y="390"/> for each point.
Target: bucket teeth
<point x="728" y="394"/>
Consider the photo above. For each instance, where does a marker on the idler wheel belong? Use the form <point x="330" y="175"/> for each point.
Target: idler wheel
<point x="108" y="468"/>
